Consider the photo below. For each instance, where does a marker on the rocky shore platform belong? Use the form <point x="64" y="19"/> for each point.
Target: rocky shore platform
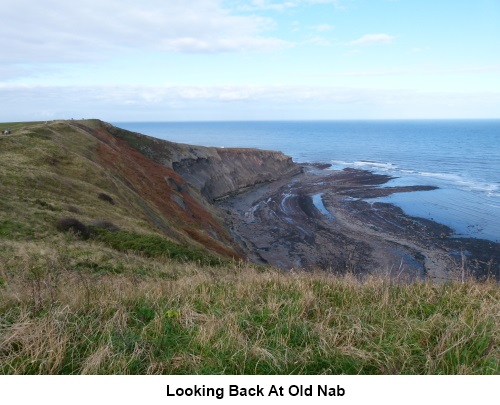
<point x="325" y="219"/>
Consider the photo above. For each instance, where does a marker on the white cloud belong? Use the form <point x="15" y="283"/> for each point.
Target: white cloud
<point x="365" y="73"/>
<point x="373" y="39"/>
<point x="110" y="103"/>
<point x="60" y="31"/>
<point x="415" y="71"/>
<point x="338" y="4"/>
<point x="317" y="40"/>
<point x="322" y="27"/>
<point x="277" y="5"/>
<point x="270" y="5"/>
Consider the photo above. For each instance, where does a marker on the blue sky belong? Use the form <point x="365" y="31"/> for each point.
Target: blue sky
<point x="123" y="60"/>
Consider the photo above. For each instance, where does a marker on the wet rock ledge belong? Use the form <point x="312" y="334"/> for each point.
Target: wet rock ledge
<point x="320" y="219"/>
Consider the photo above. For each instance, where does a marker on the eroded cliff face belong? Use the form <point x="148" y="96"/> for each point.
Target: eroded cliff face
<point x="182" y="181"/>
<point x="215" y="172"/>
<point x="218" y="173"/>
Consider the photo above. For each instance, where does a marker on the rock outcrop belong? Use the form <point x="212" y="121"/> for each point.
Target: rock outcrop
<point x="182" y="181"/>
<point x="218" y="173"/>
<point x="215" y="172"/>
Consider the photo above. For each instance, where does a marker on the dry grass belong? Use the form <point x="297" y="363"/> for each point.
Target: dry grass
<point x="238" y="320"/>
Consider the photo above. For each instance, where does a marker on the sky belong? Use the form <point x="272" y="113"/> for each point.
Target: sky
<point x="204" y="60"/>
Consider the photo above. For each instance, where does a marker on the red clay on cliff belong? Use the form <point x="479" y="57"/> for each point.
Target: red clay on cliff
<point x="164" y="190"/>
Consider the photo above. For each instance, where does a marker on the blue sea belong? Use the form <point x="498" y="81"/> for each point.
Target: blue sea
<point x="461" y="157"/>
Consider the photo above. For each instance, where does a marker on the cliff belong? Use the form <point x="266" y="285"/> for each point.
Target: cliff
<point x="94" y="171"/>
<point x="218" y="173"/>
<point x="215" y="172"/>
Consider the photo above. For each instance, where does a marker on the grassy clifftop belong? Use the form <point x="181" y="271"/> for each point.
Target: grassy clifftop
<point x="111" y="263"/>
<point x="80" y="169"/>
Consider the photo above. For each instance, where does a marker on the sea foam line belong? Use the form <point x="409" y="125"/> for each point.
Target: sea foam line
<point x="452" y="179"/>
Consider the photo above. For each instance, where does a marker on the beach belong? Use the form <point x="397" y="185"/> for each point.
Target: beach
<point x="324" y="219"/>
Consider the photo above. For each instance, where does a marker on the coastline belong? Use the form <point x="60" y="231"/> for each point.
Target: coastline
<point x="321" y="219"/>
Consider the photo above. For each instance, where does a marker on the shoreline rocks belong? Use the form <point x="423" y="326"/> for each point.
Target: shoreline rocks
<point x="280" y="224"/>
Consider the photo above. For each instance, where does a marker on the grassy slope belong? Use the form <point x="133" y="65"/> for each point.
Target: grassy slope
<point x="47" y="172"/>
<point x="134" y="302"/>
<point x="62" y="169"/>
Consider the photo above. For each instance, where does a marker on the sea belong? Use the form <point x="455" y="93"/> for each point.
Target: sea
<point x="460" y="157"/>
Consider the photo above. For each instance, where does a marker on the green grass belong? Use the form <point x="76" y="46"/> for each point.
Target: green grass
<point x="15" y="230"/>
<point x="16" y="125"/>
<point x="240" y="321"/>
<point x="153" y="246"/>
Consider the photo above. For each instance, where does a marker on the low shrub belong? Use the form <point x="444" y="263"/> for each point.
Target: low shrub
<point x="73" y="209"/>
<point x="45" y="205"/>
<point x="152" y="246"/>
<point x="107" y="198"/>
<point x="147" y="245"/>
<point x="70" y="224"/>
<point x="106" y="225"/>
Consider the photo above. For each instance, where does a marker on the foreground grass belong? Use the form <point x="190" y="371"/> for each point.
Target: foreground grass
<point x="182" y="318"/>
